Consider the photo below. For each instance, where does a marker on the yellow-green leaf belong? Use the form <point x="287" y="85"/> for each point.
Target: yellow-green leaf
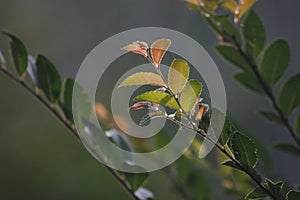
<point x="190" y="94"/>
<point x="244" y="6"/>
<point x="211" y="4"/>
<point x="143" y="78"/>
<point x="158" y="50"/>
<point x="230" y="5"/>
<point x="194" y="2"/>
<point x="178" y="75"/>
<point x="159" y="97"/>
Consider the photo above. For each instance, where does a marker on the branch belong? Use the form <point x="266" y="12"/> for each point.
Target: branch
<point x="67" y="125"/>
<point x="254" y="67"/>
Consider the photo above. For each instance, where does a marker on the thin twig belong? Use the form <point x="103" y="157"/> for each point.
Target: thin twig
<point x="69" y="127"/>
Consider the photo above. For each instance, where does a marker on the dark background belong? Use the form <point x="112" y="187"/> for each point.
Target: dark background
<point x="39" y="159"/>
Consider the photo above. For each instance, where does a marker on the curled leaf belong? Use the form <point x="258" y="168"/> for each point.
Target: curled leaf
<point x="203" y="108"/>
<point x="158" y="50"/>
<point x="138" y="47"/>
<point x="141" y="104"/>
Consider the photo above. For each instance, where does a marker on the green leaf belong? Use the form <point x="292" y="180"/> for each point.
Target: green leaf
<point x="271" y="116"/>
<point x="135" y="180"/>
<point x="32" y="69"/>
<point x="160" y="98"/>
<point x="143" y="78"/>
<point x="275" y="188"/>
<point x="144" y="194"/>
<point x="254" y="34"/>
<point x="298" y="125"/>
<point x="256" y="193"/>
<point x="48" y="78"/>
<point x="293" y="195"/>
<point x="178" y="75"/>
<point x="232" y="55"/>
<point x="287" y="148"/>
<point x="249" y="81"/>
<point x="244" y="150"/>
<point x="231" y="164"/>
<point x="18" y="54"/>
<point x="289" y="95"/>
<point x="81" y="107"/>
<point x="275" y="62"/>
<point x="229" y="28"/>
<point x="119" y="139"/>
<point x="190" y="94"/>
<point x="211" y="4"/>
<point x="66" y="98"/>
<point x="225" y="129"/>
<point x="193" y="178"/>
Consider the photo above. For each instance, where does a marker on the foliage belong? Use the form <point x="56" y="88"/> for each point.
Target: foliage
<point x="242" y="42"/>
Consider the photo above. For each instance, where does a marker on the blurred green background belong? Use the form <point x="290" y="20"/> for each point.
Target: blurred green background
<point x="39" y="159"/>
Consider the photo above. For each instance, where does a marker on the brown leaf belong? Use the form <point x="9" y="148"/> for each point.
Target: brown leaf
<point x="158" y="50"/>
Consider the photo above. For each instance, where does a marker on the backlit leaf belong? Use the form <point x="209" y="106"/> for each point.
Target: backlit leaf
<point x="138" y="47"/>
<point x="178" y="75"/>
<point x="190" y="94"/>
<point x="211" y="4"/>
<point x="158" y="50"/>
<point x="244" y="150"/>
<point x="249" y="81"/>
<point x="289" y="148"/>
<point x="18" y="54"/>
<point x="289" y="95"/>
<point x="194" y="2"/>
<point x="275" y="62"/>
<point x="232" y="55"/>
<point x="229" y="5"/>
<point x="48" y="78"/>
<point x="244" y="6"/>
<point x="143" y="78"/>
<point x="159" y="97"/>
<point x="254" y="33"/>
